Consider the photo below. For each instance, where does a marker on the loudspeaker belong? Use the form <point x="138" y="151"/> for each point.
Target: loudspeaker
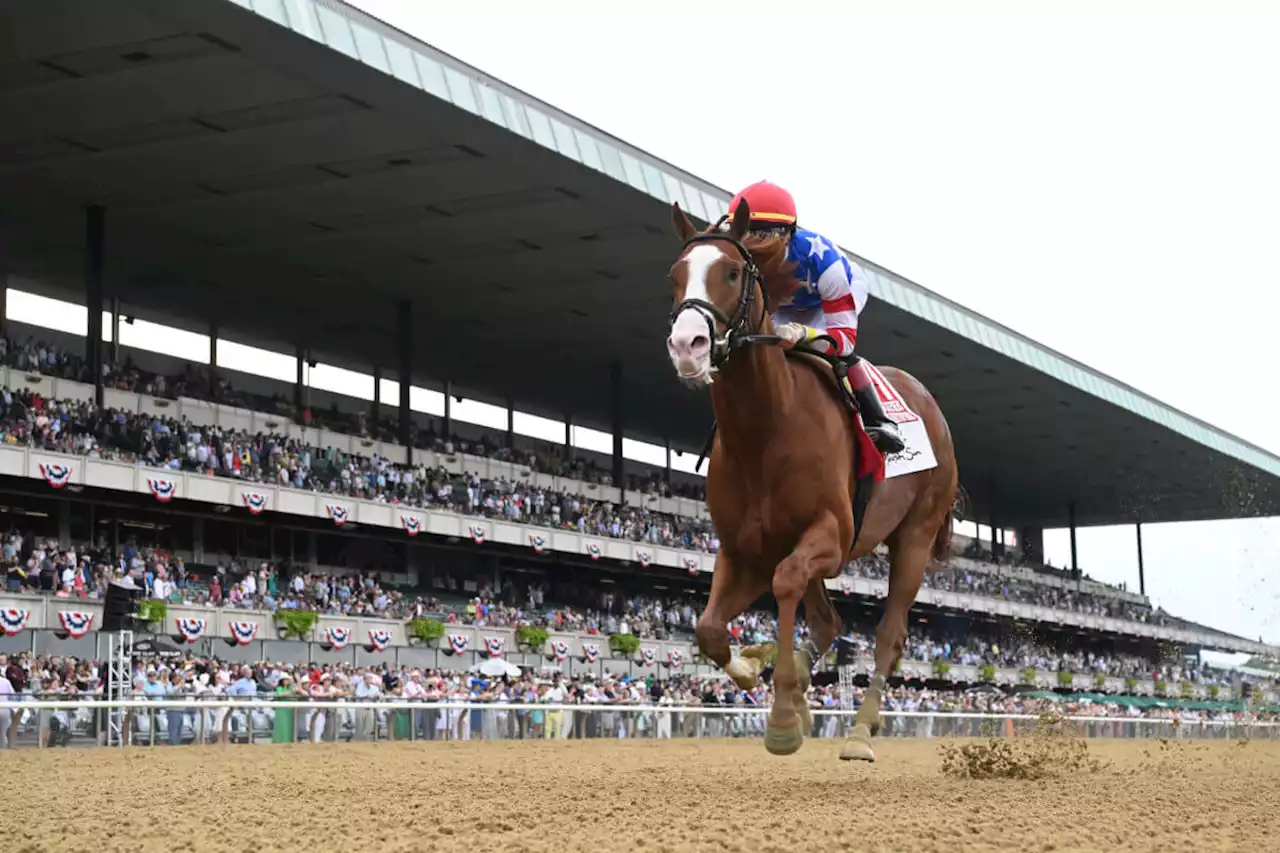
<point x="119" y="606"/>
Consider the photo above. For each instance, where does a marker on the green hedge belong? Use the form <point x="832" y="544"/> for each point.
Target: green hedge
<point x="153" y="610"/>
<point x="535" y="639"/>
<point x="297" y="622"/>
<point x="426" y="630"/>
<point x="624" y="644"/>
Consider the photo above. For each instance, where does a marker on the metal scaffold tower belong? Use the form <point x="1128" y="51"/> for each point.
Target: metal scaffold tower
<point x="119" y="684"/>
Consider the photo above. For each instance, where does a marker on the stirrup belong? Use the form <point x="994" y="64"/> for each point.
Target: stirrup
<point x="886" y="438"/>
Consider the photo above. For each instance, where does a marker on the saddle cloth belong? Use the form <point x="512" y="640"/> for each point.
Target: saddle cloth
<point x="918" y="453"/>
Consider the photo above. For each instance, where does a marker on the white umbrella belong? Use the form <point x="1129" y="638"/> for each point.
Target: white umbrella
<point x="496" y="667"/>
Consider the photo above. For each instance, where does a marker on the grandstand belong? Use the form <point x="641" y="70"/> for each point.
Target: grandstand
<point x="363" y="241"/>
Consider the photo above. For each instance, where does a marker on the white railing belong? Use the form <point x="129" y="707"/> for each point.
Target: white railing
<point x="254" y="720"/>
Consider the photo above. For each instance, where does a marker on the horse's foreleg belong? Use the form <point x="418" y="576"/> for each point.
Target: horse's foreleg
<point x="816" y="555"/>
<point x="824" y="627"/>
<point x="732" y="592"/>
<point x="907" y="564"/>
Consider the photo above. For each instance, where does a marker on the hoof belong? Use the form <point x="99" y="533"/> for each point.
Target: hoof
<point x="780" y="740"/>
<point x="762" y="652"/>
<point x="857" y="746"/>
<point x="745" y="672"/>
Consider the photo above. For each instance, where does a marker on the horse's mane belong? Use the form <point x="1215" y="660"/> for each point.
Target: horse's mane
<point x="778" y="279"/>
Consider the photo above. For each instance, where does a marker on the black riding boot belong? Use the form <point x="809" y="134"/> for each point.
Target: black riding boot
<point x="883" y="431"/>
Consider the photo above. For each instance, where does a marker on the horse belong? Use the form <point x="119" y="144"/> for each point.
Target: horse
<point x="781" y="484"/>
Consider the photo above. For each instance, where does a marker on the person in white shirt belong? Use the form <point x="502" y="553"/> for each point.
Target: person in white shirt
<point x="7" y="697"/>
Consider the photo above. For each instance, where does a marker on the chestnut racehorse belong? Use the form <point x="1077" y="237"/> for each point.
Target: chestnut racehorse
<point x="781" y="482"/>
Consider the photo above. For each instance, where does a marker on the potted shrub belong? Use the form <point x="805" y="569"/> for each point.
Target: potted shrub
<point x="152" y="611"/>
<point x="1162" y="687"/>
<point x="1130" y="685"/>
<point x="1066" y="679"/>
<point x="1029" y="675"/>
<point x="295" y="623"/>
<point x="1214" y="690"/>
<point x="1099" y="680"/>
<point x="987" y="673"/>
<point x="530" y="639"/>
<point x="424" y="632"/>
<point x="1187" y="688"/>
<point x="623" y="645"/>
<point x="941" y="669"/>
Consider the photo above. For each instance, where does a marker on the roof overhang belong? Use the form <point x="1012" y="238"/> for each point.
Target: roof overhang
<point x="257" y="177"/>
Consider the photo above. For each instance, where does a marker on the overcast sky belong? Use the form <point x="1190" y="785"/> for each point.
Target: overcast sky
<point x="1104" y="183"/>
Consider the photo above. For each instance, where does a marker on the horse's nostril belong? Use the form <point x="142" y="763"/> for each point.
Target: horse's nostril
<point x="699" y="343"/>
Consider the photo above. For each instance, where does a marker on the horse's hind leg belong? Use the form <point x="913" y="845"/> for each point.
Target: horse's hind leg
<point x="732" y="592"/>
<point x="816" y="555"/>
<point x="908" y="560"/>
<point x="824" y="627"/>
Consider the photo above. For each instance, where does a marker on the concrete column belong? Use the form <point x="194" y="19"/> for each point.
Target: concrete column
<point x="197" y="540"/>
<point x="95" y="260"/>
<point x="511" y="424"/>
<point x="448" y="409"/>
<point x="668" y="472"/>
<point x="1142" y="574"/>
<point x="300" y="385"/>
<point x="64" y="524"/>
<point x="616" y="421"/>
<point x="1071" y="520"/>
<point x="404" y="369"/>
<point x="213" y="355"/>
<point x="1032" y="544"/>
<point x="568" y="436"/>
<point x="115" y="330"/>
<point x="376" y="405"/>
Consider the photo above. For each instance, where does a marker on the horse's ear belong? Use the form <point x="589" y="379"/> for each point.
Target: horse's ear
<point x="681" y="222"/>
<point x="741" y="222"/>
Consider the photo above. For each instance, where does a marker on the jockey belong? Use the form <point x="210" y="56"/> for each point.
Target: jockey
<point x="832" y="293"/>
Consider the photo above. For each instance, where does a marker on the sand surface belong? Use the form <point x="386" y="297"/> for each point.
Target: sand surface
<point x="664" y="797"/>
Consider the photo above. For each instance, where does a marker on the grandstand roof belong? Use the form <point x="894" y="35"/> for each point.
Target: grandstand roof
<point x="294" y="168"/>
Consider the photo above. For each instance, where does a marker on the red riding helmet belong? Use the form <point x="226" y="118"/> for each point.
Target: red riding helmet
<point x="768" y="203"/>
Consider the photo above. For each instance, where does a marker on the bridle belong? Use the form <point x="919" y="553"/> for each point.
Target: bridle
<point x="740" y="330"/>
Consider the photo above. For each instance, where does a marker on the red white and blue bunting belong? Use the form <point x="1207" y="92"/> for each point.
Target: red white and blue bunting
<point x="244" y="632"/>
<point x="75" y="622"/>
<point x="537" y="543"/>
<point x="12" y="620"/>
<point x="190" y="630"/>
<point x="692" y="564"/>
<point x="643" y="557"/>
<point x="590" y="652"/>
<point x="255" y="502"/>
<point x="478" y="533"/>
<point x="559" y="651"/>
<point x="338" y="513"/>
<point x="457" y="644"/>
<point x="163" y="488"/>
<point x="379" y="638"/>
<point x="593" y="550"/>
<point x="648" y="657"/>
<point x="674" y="658"/>
<point x="495" y="646"/>
<point x="412" y="524"/>
<point x="54" y="474"/>
<point x="337" y="637"/>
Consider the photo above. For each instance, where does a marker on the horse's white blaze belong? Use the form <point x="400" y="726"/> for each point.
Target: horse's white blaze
<point x="692" y="322"/>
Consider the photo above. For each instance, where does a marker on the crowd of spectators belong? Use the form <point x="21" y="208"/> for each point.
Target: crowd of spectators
<point x="651" y="696"/>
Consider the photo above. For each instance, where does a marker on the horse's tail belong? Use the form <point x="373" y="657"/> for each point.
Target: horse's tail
<point x="943" y="538"/>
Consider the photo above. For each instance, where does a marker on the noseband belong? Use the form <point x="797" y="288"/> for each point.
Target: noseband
<point x="736" y="333"/>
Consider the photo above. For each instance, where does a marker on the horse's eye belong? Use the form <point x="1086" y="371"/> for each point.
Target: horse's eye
<point x="733" y="274"/>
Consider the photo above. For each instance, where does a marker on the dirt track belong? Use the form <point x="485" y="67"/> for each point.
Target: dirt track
<point x="638" y="795"/>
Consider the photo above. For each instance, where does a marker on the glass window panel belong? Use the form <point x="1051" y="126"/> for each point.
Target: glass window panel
<point x="273" y="9"/>
<point x="369" y="45"/>
<point x="244" y="3"/>
<point x="337" y="31"/>
<point x="302" y="17"/>
<point x="587" y="148"/>
<point x="672" y="187"/>
<point x="541" y="126"/>
<point x="401" y="59"/>
<point x="714" y="207"/>
<point x="631" y="166"/>
<point x="460" y="91"/>
<point x="491" y="105"/>
<point x="612" y="162"/>
<point x="432" y="76"/>
<point x="694" y="199"/>
<point x="516" y="119"/>
<point x="653" y="181"/>
<point x="564" y="140"/>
